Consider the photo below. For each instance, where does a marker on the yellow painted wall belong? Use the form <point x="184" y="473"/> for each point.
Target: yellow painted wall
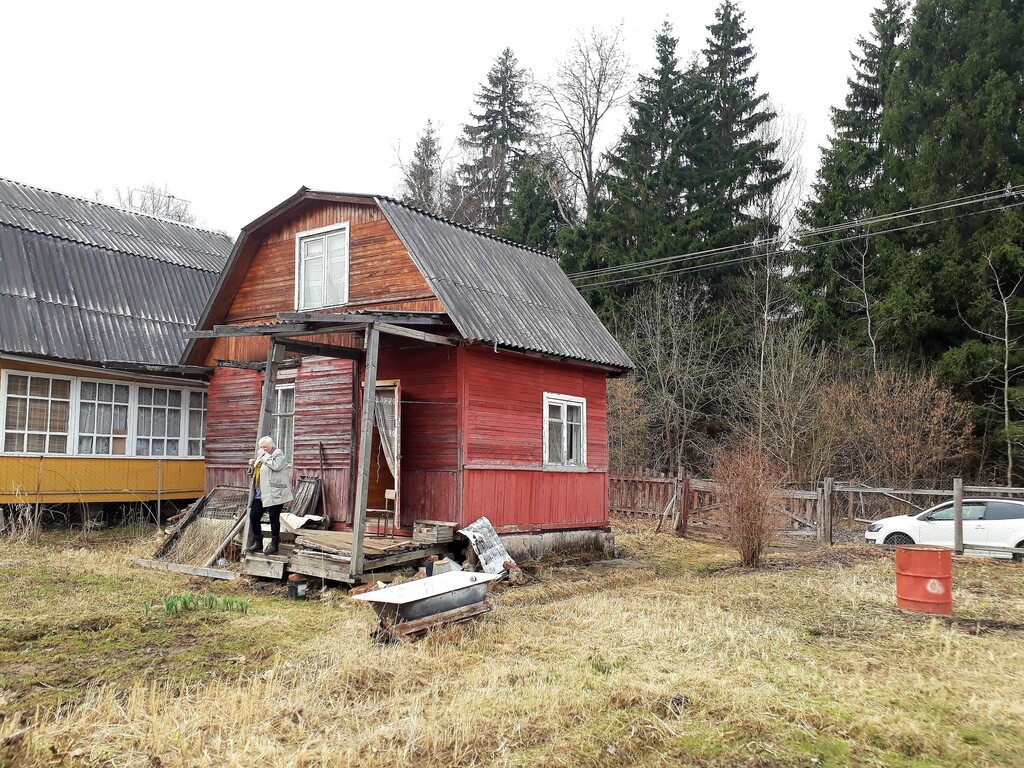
<point x="55" y="479"/>
<point x="70" y="479"/>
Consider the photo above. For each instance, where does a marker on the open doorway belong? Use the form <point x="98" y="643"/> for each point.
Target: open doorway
<point x="384" y="491"/>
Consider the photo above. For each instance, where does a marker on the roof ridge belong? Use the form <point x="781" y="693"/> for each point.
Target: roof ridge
<point x="112" y="207"/>
<point x="466" y="227"/>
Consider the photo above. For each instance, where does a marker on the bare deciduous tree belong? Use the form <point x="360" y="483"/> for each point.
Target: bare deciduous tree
<point x="157" y="201"/>
<point x="678" y="348"/>
<point x="588" y="85"/>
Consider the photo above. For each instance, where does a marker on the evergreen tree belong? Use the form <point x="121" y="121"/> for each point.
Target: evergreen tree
<point x="496" y="142"/>
<point x="837" y="285"/>
<point x="422" y="182"/>
<point x="532" y="218"/>
<point x="638" y="214"/>
<point x="951" y="127"/>
<point x="731" y="163"/>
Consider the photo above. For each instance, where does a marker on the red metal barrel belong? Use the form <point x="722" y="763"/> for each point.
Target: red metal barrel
<point x="924" y="579"/>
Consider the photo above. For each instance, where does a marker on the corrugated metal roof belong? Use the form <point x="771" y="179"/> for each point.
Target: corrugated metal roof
<point x="502" y="293"/>
<point x="88" y="282"/>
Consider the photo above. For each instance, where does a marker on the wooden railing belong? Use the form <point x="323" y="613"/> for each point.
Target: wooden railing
<point x="651" y="493"/>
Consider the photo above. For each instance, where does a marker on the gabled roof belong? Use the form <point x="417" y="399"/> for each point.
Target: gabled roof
<point x="494" y="291"/>
<point x="87" y="282"/>
<point x="502" y="293"/>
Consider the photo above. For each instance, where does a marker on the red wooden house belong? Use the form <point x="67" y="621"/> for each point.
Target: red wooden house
<point x="486" y="367"/>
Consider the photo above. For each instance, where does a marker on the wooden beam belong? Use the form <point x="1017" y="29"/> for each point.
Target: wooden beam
<point x="192" y="570"/>
<point x="365" y="443"/>
<point x="412" y="333"/>
<point x="229" y="331"/>
<point x="275" y="354"/>
<point x="403" y="557"/>
<point x="408" y="318"/>
<point x="322" y="350"/>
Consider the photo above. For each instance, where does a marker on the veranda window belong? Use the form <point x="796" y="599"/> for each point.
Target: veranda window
<point x="103" y="418"/>
<point x="36" y="414"/>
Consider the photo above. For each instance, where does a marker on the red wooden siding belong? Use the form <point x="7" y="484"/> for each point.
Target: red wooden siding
<point x="233" y="409"/>
<point x="324" y="416"/>
<point x="430" y="440"/>
<point x="503" y="475"/>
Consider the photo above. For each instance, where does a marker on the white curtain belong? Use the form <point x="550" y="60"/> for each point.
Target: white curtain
<point x="385" y="412"/>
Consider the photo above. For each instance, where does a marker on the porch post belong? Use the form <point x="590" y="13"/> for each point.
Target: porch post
<point x="365" y="444"/>
<point x="275" y="354"/>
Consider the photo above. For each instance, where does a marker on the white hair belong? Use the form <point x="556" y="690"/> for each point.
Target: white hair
<point x="265" y="439"/>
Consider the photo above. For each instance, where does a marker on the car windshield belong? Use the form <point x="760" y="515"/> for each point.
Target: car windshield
<point x="972" y="511"/>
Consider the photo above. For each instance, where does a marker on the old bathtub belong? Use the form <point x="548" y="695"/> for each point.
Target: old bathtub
<point x="428" y="596"/>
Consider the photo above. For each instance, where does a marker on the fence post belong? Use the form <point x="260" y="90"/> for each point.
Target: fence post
<point x="819" y="503"/>
<point x="958" y="515"/>
<point x="826" y="512"/>
<point x="849" y="509"/>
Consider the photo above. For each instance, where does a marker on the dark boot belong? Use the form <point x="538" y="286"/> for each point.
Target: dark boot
<point x="256" y="546"/>
<point x="272" y="547"/>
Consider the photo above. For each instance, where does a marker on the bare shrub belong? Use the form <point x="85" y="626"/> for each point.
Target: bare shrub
<point x="629" y="434"/>
<point x="895" y="428"/>
<point x="748" y="479"/>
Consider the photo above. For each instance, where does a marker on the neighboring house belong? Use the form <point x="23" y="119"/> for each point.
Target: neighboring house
<point x="94" y="305"/>
<point x="489" y="368"/>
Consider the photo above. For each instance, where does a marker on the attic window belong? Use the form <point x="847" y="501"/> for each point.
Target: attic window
<point x="321" y="267"/>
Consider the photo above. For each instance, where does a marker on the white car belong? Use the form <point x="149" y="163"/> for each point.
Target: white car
<point x="987" y="523"/>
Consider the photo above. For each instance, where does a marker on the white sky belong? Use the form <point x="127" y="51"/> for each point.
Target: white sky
<point x="234" y="106"/>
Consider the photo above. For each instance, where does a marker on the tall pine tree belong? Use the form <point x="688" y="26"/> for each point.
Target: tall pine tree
<point x="422" y="179"/>
<point x="638" y="214"/>
<point x="732" y="164"/>
<point x="496" y="143"/>
<point x="837" y="285"/>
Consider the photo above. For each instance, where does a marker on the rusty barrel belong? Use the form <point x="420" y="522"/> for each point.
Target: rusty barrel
<point x="924" y="579"/>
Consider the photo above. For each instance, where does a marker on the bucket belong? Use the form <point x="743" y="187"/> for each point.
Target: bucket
<point x="297" y="589"/>
<point x="924" y="579"/>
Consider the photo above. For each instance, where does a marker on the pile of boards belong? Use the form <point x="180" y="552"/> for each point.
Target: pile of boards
<point x="328" y="554"/>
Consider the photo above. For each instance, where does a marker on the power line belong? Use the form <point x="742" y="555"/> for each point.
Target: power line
<point x="767" y="254"/>
<point x="982" y="197"/>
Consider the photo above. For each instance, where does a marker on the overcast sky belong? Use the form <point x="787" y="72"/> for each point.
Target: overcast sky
<point x="234" y="106"/>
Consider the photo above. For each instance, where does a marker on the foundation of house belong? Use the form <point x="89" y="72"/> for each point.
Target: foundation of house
<point x="534" y="546"/>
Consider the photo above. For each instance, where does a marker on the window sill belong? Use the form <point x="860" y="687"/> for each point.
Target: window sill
<point x="117" y="456"/>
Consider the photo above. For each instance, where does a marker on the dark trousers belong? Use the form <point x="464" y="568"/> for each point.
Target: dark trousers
<point x="256" y="515"/>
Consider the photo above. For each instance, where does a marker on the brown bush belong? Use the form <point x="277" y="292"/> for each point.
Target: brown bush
<point x="748" y="478"/>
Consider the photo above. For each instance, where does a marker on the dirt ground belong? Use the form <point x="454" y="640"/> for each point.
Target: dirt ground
<point x="669" y="655"/>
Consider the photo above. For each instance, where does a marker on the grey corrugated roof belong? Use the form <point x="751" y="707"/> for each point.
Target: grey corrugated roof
<point x="502" y="293"/>
<point x="88" y="282"/>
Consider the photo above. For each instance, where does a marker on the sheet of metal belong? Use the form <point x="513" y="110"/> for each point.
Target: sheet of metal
<point x="89" y="282"/>
<point x="503" y="293"/>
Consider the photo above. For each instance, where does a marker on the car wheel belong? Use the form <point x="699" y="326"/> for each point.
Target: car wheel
<point x="1017" y="556"/>
<point x="898" y="539"/>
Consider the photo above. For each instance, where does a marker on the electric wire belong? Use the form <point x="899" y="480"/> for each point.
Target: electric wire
<point x="979" y="198"/>
<point x="767" y="254"/>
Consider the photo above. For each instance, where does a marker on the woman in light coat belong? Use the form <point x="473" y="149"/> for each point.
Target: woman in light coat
<point x="272" y="487"/>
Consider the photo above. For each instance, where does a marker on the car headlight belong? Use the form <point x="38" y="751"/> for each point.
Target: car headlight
<point x="874" y="528"/>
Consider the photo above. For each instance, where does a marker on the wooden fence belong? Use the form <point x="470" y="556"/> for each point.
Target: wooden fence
<point x="694" y="503"/>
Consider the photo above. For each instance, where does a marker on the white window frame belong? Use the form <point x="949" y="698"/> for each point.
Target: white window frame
<point x="554" y="398"/>
<point x="75" y="383"/>
<point x="276" y="416"/>
<point x="72" y="433"/>
<point x="77" y="407"/>
<point x="322" y="233"/>
<point x="205" y="411"/>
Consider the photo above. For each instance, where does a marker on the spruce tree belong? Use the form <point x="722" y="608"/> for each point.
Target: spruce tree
<point x="422" y="182"/>
<point x="837" y="285"/>
<point x="496" y="143"/>
<point x="532" y="217"/>
<point x="638" y="213"/>
<point x="951" y="127"/>
<point x="731" y="163"/>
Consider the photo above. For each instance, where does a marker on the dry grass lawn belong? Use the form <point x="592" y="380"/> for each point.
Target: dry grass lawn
<point x="684" y="660"/>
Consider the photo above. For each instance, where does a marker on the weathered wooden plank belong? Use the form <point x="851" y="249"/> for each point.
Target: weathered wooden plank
<point x="456" y="615"/>
<point x="398" y="558"/>
<point x="264" y="566"/>
<point x="193" y="570"/>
